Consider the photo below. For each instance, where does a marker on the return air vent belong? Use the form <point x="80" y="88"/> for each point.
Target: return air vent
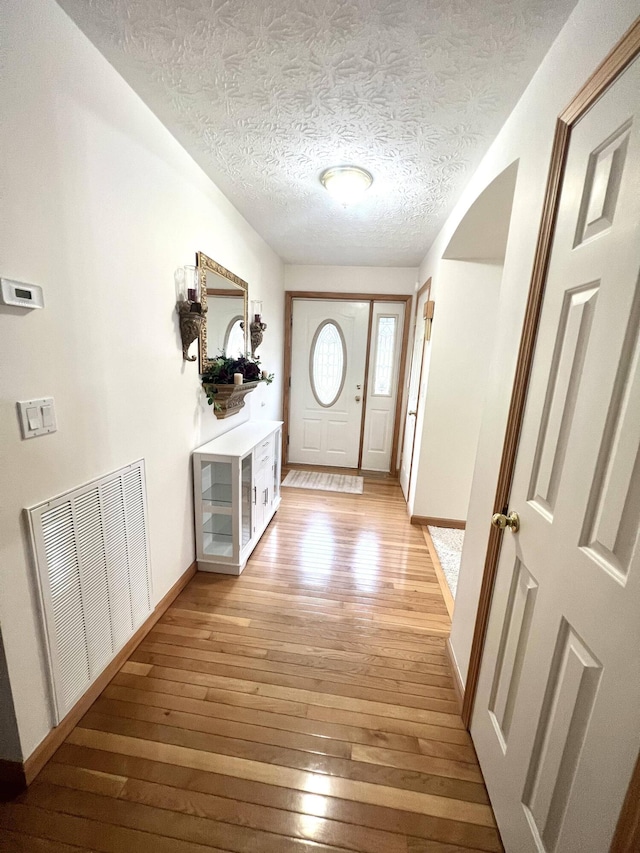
<point x="92" y="562"/>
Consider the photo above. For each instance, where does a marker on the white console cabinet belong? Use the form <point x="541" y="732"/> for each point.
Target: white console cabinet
<point x="236" y="480"/>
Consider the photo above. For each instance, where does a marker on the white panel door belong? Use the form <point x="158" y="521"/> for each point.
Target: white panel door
<point x="382" y="387"/>
<point x="557" y="715"/>
<point x="328" y="354"/>
<point x="412" y="404"/>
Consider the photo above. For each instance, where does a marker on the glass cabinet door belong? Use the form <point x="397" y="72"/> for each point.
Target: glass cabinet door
<point x="216" y="479"/>
<point x="247" y="502"/>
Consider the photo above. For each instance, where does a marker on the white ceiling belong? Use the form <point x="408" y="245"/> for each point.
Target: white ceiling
<point x="265" y="95"/>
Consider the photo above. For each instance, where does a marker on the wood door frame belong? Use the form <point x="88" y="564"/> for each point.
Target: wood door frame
<point x="622" y="55"/>
<point x="289" y="296"/>
<point x="425" y="287"/>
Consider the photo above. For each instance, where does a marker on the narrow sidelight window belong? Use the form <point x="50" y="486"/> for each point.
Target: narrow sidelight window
<point x="385" y="349"/>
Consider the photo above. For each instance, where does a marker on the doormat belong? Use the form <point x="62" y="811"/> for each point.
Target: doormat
<point x="324" y="482"/>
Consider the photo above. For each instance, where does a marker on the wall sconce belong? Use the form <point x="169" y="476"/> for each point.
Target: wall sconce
<point x="427" y="313"/>
<point x="256" y="326"/>
<point x="189" y="308"/>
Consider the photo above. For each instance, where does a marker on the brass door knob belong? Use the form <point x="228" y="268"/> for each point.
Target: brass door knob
<point x="358" y="399"/>
<point x="512" y="521"/>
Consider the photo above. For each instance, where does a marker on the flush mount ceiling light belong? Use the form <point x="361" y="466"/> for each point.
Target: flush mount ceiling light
<point x="347" y="184"/>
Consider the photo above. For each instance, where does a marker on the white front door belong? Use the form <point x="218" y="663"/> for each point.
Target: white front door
<point x="328" y="359"/>
<point x="557" y="714"/>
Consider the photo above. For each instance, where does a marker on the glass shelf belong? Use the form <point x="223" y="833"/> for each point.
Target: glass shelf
<point x="219" y="494"/>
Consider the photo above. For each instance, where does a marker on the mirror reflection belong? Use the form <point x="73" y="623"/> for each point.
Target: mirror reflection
<point x="226" y="320"/>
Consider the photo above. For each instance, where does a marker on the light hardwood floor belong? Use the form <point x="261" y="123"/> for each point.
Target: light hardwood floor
<point x="305" y="707"/>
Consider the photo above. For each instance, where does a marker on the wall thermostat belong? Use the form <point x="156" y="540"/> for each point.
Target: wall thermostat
<point x="20" y="294"/>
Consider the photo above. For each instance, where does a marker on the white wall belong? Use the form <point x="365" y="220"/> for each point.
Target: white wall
<point x="400" y="280"/>
<point x="99" y="206"/>
<point x="591" y="31"/>
<point x="466" y="297"/>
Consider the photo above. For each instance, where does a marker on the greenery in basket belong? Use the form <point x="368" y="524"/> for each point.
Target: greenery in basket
<point x="220" y="372"/>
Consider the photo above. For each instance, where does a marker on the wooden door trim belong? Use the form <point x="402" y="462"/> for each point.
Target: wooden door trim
<point x="286" y="391"/>
<point x="426" y="286"/>
<point x="627" y="49"/>
<point x="349" y="297"/>
<point x="365" y="386"/>
<point x="627" y="835"/>
<point x="395" y="463"/>
<point x="289" y="296"/>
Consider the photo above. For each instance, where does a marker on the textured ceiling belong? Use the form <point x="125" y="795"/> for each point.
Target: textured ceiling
<point x="265" y="95"/>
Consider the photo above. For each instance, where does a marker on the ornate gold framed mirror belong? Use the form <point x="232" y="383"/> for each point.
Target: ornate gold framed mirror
<point x="224" y="297"/>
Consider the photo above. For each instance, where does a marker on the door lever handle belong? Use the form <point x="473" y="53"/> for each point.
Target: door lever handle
<point x="412" y="413"/>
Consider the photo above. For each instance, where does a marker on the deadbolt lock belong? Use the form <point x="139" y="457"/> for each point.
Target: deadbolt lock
<point x="512" y="521"/>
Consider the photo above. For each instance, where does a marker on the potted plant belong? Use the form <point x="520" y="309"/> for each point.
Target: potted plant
<point x="224" y="390"/>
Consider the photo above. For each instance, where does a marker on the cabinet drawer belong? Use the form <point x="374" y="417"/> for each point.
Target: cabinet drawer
<point x="263" y="454"/>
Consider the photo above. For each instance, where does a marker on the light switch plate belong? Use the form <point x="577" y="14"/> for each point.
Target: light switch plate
<point x="37" y="417"/>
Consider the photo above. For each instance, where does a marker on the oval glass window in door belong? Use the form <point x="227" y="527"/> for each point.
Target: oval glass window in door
<point x="327" y="363"/>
